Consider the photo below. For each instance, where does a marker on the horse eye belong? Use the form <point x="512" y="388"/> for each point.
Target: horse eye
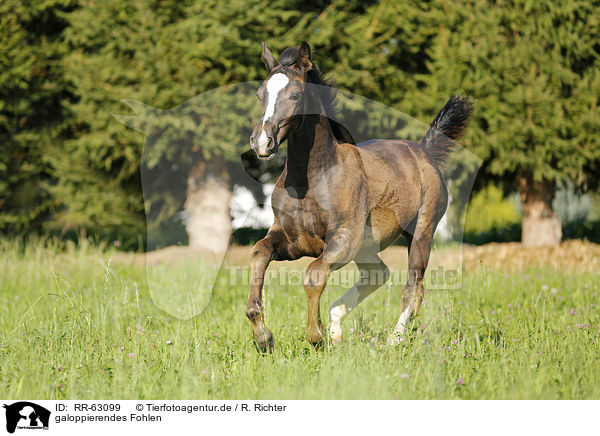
<point x="295" y="96"/>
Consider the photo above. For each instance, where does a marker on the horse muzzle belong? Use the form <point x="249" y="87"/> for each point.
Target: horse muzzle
<point x="265" y="146"/>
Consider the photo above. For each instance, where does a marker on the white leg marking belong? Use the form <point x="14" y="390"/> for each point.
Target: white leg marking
<point x="400" y="327"/>
<point x="336" y="313"/>
<point x="341" y="308"/>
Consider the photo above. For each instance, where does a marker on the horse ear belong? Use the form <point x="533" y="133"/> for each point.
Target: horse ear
<point x="304" y="60"/>
<point x="268" y="57"/>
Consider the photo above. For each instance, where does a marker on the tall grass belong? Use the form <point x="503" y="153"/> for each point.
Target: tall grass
<point x="76" y="324"/>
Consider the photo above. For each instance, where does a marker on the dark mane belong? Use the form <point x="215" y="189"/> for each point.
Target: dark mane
<point x="326" y="93"/>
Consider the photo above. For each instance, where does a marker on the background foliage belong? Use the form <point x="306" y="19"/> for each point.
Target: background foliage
<point x="67" y="166"/>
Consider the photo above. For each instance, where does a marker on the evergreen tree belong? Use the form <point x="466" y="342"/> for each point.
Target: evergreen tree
<point x="533" y="68"/>
<point x="67" y="164"/>
<point x="160" y="54"/>
<point x="32" y="87"/>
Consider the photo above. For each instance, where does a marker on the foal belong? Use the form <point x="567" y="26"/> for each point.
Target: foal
<point x="340" y="202"/>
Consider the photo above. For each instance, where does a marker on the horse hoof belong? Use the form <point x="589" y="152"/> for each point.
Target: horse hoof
<point x="316" y="341"/>
<point x="315" y="336"/>
<point x="335" y="333"/>
<point x="336" y="339"/>
<point x="266" y="344"/>
<point x="319" y="345"/>
<point x="393" y="339"/>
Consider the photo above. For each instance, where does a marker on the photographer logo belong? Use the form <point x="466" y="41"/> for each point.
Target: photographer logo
<point x="26" y="415"/>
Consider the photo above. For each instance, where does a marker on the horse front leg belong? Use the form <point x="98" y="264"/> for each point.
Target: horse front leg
<point x="265" y="250"/>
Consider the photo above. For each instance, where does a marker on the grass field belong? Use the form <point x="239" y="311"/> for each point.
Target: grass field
<point x="73" y="327"/>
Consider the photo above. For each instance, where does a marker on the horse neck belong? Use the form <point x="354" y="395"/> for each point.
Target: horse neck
<point x="311" y="152"/>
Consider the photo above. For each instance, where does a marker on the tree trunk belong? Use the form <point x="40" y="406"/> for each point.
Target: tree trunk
<point x="207" y="205"/>
<point x="540" y="226"/>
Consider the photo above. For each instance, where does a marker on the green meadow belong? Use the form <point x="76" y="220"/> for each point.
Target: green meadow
<point x="74" y="325"/>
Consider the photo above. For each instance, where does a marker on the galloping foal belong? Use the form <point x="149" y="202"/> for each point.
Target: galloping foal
<point x="341" y="202"/>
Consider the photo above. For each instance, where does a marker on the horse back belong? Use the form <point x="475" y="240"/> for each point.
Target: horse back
<point x="400" y="180"/>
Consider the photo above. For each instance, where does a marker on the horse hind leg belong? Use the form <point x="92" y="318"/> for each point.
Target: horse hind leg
<point x="373" y="273"/>
<point x="413" y="292"/>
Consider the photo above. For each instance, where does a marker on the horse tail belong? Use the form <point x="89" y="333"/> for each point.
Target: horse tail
<point x="448" y="125"/>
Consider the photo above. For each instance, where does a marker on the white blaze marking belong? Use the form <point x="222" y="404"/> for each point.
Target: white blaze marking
<point x="263" y="141"/>
<point x="275" y="84"/>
